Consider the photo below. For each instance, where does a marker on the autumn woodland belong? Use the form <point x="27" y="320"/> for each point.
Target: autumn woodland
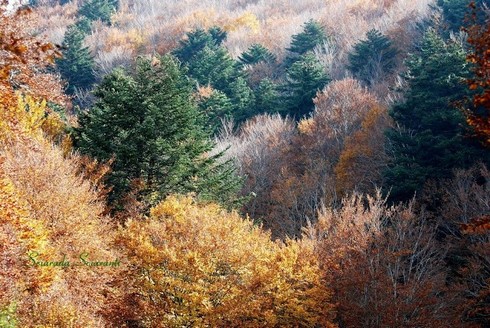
<point x="245" y="163"/>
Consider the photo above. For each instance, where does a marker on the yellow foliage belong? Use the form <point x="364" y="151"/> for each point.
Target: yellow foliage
<point x="199" y="18"/>
<point x="18" y="235"/>
<point x="29" y="118"/>
<point x="306" y="126"/>
<point x="202" y="266"/>
<point x="47" y="208"/>
<point x="247" y="19"/>
<point x="132" y="39"/>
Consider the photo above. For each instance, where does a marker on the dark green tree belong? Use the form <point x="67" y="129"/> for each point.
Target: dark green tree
<point x="84" y="25"/>
<point x="313" y="35"/>
<point x="257" y="53"/>
<point x="98" y="9"/>
<point x="213" y="66"/>
<point x="430" y="139"/>
<point x="196" y="40"/>
<point x="242" y="99"/>
<point x="215" y="107"/>
<point x="304" y="79"/>
<point x="77" y="64"/>
<point x="150" y="124"/>
<point x="266" y="97"/>
<point x="455" y="12"/>
<point x="373" y="58"/>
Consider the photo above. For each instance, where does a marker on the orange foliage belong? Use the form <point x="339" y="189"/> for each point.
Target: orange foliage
<point x="24" y="59"/>
<point x="386" y="267"/>
<point x="198" y="265"/>
<point x="363" y="157"/>
<point x="479" y="116"/>
<point x="47" y="210"/>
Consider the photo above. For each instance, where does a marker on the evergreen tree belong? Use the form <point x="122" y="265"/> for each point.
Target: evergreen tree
<point x="372" y="58"/>
<point x="304" y="79"/>
<point x="213" y="66"/>
<point x="216" y="106"/>
<point x="149" y="123"/>
<point x="266" y="97"/>
<point x="255" y="54"/>
<point x="313" y="35"/>
<point x="77" y="64"/>
<point x="430" y="141"/>
<point x="84" y="25"/>
<point x="242" y="99"/>
<point x="217" y="34"/>
<point x="98" y="9"/>
<point x="455" y="12"/>
<point x="195" y="42"/>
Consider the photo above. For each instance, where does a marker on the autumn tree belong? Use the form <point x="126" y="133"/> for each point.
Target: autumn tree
<point x="46" y="207"/>
<point x="149" y="123"/>
<point x="198" y="265"/>
<point x="25" y="60"/>
<point x="386" y="266"/>
<point x="363" y="158"/>
<point x="463" y="214"/>
<point x="478" y="115"/>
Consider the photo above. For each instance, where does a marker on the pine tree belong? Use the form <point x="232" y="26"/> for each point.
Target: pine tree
<point x="215" y="107"/>
<point x="430" y="141"/>
<point x="98" y="10"/>
<point x="304" y="79"/>
<point x="255" y="54"/>
<point x="149" y="123"/>
<point x="313" y="34"/>
<point x="266" y="97"/>
<point x="195" y="41"/>
<point x="77" y="64"/>
<point x="242" y="99"/>
<point x="455" y="12"/>
<point x="372" y="58"/>
<point x="213" y="66"/>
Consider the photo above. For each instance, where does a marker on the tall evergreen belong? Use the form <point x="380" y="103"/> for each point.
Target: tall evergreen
<point x="372" y="58"/>
<point x="304" y="79"/>
<point x="77" y="64"/>
<point x="150" y="124"/>
<point x="313" y="35"/>
<point x="430" y="139"/>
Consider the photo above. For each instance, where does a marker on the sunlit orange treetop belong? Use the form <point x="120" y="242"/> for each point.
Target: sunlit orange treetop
<point x="24" y="58"/>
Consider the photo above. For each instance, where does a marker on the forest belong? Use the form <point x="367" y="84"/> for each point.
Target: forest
<point x="245" y="163"/>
